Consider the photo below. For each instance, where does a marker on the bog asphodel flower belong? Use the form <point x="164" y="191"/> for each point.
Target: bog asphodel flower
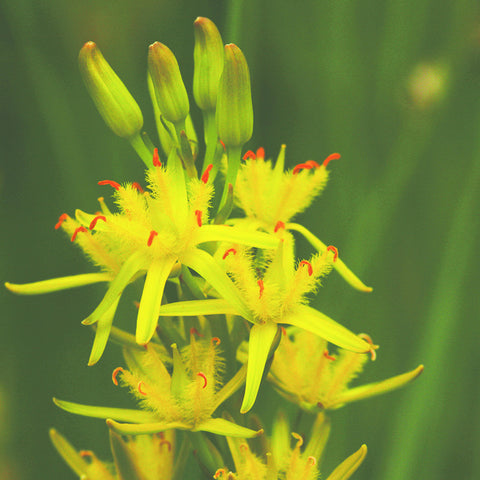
<point x="155" y="233"/>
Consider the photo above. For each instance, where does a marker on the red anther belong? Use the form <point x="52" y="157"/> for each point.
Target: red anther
<point x="77" y="230"/>
<point x="198" y="214"/>
<point x="139" y="388"/>
<point x="61" y="219"/>
<point x="201" y="374"/>
<point x="86" y="453"/>
<point x="137" y="186"/>
<point x="95" y="220"/>
<point x="284" y="331"/>
<point x="220" y="472"/>
<point x="333" y="156"/>
<point x="249" y="155"/>
<point x="261" y="153"/>
<point x="137" y="304"/>
<point x="153" y="234"/>
<point x="227" y="252"/>
<point x="328" y="356"/>
<point x="167" y="443"/>
<point x="113" y="184"/>
<point x="278" y="226"/>
<point x="311" y="460"/>
<point x="156" y="158"/>
<point x="262" y="287"/>
<point x="194" y="331"/>
<point x="115" y="373"/>
<point x="301" y="166"/>
<point x="243" y="447"/>
<point x="333" y="249"/>
<point x="206" y="173"/>
<point x="216" y="341"/>
<point x="309" y="265"/>
<point x="223" y="145"/>
<point x="313" y="164"/>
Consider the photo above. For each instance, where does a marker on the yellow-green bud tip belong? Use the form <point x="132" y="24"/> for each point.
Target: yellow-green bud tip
<point x="114" y="102"/>
<point x="171" y="95"/>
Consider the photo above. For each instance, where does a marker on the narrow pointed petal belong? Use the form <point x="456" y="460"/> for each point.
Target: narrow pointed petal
<point x="223" y="233"/>
<point x="198" y="307"/>
<point x="152" y="298"/>
<point x="338" y="265"/>
<point x="220" y="426"/>
<point x="121" y="414"/>
<point x="261" y="339"/>
<point x="348" y="467"/>
<point x="125" y="464"/>
<point x="318" y="323"/>
<point x="230" y="387"/>
<point x="373" y="389"/>
<point x="68" y="453"/>
<point x="102" y="333"/>
<point x="58" y="284"/>
<point x="208" y="268"/>
<point x="129" y="269"/>
<point x="144" y="428"/>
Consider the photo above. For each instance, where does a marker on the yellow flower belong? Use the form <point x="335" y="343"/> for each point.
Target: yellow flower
<point x="321" y="383"/>
<point x="153" y="234"/>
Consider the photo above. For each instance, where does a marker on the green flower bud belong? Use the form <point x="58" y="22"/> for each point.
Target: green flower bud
<point x="208" y="58"/>
<point x="170" y="91"/>
<point x="112" y="99"/>
<point x="234" y="115"/>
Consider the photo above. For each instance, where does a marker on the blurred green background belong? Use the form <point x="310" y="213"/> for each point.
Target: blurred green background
<point x="357" y="77"/>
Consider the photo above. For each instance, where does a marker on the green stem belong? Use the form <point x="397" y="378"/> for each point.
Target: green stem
<point x="139" y="146"/>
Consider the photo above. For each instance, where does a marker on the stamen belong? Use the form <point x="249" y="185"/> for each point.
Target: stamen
<point x="115" y="373"/>
<point x="312" y="163"/>
<point x="77" y="230"/>
<point x="301" y="166"/>
<point x="333" y="156"/>
<point x="95" y="220"/>
<point x="139" y="388"/>
<point x="206" y="173"/>
<point x="113" y="184"/>
<point x="137" y="304"/>
<point x="333" y="249"/>
<point x="261" y="153"/>
<point x="194" y="331"/>
<point x="61" y="219"/>
<point x="156" y="158"/>
<point x="309" y="265"/>
<point x="153" y="234"/>
<point x="368" y="339"/>
<point x="249" y="155"/>
<point x="311" y="460"/>
<point x="262" y="287"/>
<point x="243" y="448"/>
<point x="201" y="374"/>
<point x="328" y="356"/>
<point x="227" y="252"/>
<point x="167" y="443"/>
<point x="298" y="438"/>
<point x="137" y="186"/>
<point x="198" y="214"/>
<point x="220" y="472"/>
<point x="284" y="331"/>
<point x="223" y="145"/>
<point x="216" y="341"/>
<point x="278" y="226"/>
<point x="86" y="453"/>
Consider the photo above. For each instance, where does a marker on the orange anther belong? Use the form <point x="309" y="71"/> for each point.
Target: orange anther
<point x="220" y="472"/>
<point x="227" y="252"/>
<point x="137" y="304"/>
<point x="115" y="373"/>
<point x="201" y="374"/>
<point x="284" y="331"/>
<point x="243" y="447"/>
<point x="86" y="453"/>
<point x="140" y="388"/>
<point x="137" y="186"/>
<point x="95" y="220"/>
<point x="206" y="173"/>
<point x="215" y="341"/>
<point x="333" y="249"/>
<point x="261" y="153"/>
<point x="223" y="145"/>
<point x="369" y="340"/>
<point x="309" y="265"/>
<point x="153" y="234"/>
<point x="61" y="219"/>
<point x="311" y="460"/>
<point x="333" y="156"/>
<point x="312" y="164"/>
<point x="156" y="158"/>
<point x="77" y="230"/>
<point x="198" y="214"/>
<point x="328" y="356"/>
<point x="249" y="155"/>
<point x="278" y="226"/>
<point x="262" y="287"/>
<point x="298" y="438"/>
<point x="113" y="184"/>
<point x="167" y="443"/>
<point x="194" y="331"/>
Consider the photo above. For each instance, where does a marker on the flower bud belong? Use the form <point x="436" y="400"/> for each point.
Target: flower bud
<point x="170" y="91"/>
<point x="234" y="114"/>
<point x="208" y="58"/>
<point x="112" y="99"/>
